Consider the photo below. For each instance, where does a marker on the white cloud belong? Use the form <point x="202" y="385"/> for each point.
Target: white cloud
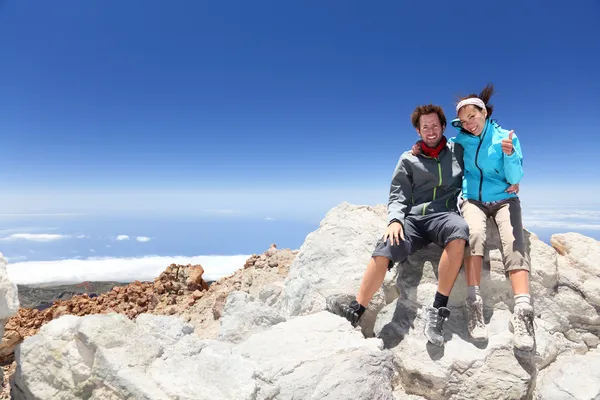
<point x="16" y="258"/>
<point x="142" y="239"/>
<point x="571" y="218"/>
<point x="122" y="237"/>
<point x="92" y="251"/>
<point x="118" y="269"/>
<point x="36" y="237"/>
<point x="25" y="215"/>
<point x="269" y="219"/>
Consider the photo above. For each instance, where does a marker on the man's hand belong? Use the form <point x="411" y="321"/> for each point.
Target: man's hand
<point x="513" y="189"/>
<point x="394" y="231"/>
<point x="416" y="149"/>
<point x="507" y="146"/>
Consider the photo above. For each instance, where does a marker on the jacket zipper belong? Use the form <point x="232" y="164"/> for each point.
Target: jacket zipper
<point x="440" y="175"/>
<point x="477" y="165"/>
<point x="435" y="187"/>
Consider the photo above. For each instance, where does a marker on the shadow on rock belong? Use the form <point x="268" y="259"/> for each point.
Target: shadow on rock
<point x="402" y="321"/>
<point x="435" y="352"/>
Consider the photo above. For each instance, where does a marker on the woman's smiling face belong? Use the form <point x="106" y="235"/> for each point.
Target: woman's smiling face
<point x="472" y="119"/>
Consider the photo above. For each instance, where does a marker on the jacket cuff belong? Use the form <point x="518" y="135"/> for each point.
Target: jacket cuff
<point x="391" y="221"/>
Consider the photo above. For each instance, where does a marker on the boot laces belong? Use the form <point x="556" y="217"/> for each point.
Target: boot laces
<point x="524" y="322"/>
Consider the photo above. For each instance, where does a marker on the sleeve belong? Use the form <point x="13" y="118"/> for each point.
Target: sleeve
<point x="459" y="153"/>
<point x="400" y="193"/>
<point x="513" y="164"/>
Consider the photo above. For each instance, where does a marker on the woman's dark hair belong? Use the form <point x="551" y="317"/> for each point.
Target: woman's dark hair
<point x="485" y="96"/>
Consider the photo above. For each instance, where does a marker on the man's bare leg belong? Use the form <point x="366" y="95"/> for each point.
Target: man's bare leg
<point x="372" y="279"/>
<point x="449" y="266"/>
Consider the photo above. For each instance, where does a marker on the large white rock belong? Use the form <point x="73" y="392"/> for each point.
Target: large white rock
<point x="579" y="266"/>
<point x="458" y="370"/>
<point x="575" y="377"/>
<point x="9" y="299"/>
<point x="332" y="260"/>
<point x="9" y="295"/>
<point x="297" y="350"/>
<point x="158" y="357"/>
<point x="320" y="356"/>
<point x="112" y="357"/>
<point x="244" y="315"/>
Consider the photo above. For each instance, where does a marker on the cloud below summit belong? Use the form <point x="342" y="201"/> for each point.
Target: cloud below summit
<point x="36" y="237"/>
<point x="118" y="268"/>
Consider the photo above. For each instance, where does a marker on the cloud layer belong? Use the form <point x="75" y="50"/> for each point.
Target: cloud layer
<point x="569" y="218"/>
<point x="118" y="269"/>
<point x="36" y="237"/>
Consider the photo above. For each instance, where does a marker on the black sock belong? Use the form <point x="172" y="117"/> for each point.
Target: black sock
<point x="440" y="300"/>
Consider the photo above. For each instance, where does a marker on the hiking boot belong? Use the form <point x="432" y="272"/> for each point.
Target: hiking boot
<point x="476" y="324"/>
<point x="352" y="311"/>
<point x="434" y="321"/>
<point x="521" y="324"/>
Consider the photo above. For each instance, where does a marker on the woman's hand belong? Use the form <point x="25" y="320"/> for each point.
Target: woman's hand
<point x="513" y="189"/>
<point x="507" y="146"/>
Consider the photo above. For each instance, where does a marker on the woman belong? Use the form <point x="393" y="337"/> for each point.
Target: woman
<point x="493" y="162"/>
<point x="492" y="168"/>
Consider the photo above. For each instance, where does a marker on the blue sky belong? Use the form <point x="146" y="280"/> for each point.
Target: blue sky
<point x="280" y="110"/>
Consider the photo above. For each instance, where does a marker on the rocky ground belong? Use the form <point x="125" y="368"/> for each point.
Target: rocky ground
<point x="266" y="333"/>
<point x="179" y="290"/>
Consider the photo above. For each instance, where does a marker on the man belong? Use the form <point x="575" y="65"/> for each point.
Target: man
<point x="422" y="209"/>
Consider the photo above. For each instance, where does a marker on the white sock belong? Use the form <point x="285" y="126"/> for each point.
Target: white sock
<point x="473" y="292"/>
<point x="522" y="299"/>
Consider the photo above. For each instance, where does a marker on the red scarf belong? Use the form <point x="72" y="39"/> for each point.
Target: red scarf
<point x="433" y="151"/>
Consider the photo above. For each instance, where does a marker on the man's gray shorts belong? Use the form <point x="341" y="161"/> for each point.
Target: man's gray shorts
<point x="419" y="231"/>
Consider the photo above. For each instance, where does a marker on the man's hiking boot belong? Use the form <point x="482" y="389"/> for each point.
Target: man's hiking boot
<point x="476" y="324"/>
<point x="434" y="321"/>
<point x="352" y="311"/>
<point x="521" y="325"/>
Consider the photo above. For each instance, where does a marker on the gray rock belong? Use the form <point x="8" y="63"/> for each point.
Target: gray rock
<point x="295" y="349"/>
<point x="575" y="377"/>
<point x="9" y="302"/>
<point x="157" y="357"/>
<point x="112" y="357"/>
<point x="320" y="356"/>
<point x="270" y="293"/>
<point x="9" y="295"/>
<point x="244" y="315"/>
<point x="332" y="261"/>
<point x="459" y="369"/>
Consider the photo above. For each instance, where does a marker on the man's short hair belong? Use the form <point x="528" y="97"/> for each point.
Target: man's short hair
<point x="415" y="117"/>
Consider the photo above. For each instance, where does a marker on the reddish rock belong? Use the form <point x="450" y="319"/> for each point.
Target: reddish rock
<point x="197" y="294"/>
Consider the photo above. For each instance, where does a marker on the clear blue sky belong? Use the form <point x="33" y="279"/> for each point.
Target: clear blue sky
<point x="151" y="96"/>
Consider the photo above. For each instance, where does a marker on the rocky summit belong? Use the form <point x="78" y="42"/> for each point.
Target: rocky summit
<point x="266" y="332"/>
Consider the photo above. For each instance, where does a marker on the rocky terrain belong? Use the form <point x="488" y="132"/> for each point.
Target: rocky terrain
<point x="266" y="333"/>
<point x="180" y="290"/>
